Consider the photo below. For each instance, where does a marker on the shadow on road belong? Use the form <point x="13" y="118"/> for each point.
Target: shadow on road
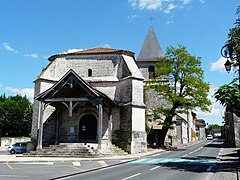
<point x="213" y="145"/>
<point x="201" y="167"/>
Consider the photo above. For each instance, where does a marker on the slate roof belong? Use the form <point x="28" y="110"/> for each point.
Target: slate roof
<point x="151" y="49"/>
<point x="92" y="52"/>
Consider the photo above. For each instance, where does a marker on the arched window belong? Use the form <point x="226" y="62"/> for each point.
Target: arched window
<point x="89" y="72"/>
<point x="151" y="71"/>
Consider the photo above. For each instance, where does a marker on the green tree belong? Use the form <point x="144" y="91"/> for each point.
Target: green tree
<point x="3" y="98"/>
<point x="15" y="116"/>
<point x="179" y="80"/>
<point x="229" y="96"/>
<point x="214" y="126"/>
<point x="233" y="43"/>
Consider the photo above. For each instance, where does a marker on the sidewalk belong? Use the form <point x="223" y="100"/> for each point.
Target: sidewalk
<point x="14" y="158"/>
<point x="229" y="168"/>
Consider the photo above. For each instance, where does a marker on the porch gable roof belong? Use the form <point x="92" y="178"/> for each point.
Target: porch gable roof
<point x="71" y="87"/>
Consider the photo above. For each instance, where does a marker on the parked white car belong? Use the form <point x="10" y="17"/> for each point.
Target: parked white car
<point x="209" y="137"/>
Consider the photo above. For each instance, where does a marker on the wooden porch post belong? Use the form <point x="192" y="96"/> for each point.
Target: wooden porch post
<point x="110" y="128"/>
<point x="40" y="132"/>
<point x="100" y="116"/>
<point x="57" y="127"/>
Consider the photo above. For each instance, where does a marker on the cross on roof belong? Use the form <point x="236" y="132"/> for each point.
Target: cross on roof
<point x="151" y="18"/>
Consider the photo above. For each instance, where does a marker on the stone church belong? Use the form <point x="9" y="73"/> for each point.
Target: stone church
<point x="95" y="96"/>
<point x="90" y="96"/>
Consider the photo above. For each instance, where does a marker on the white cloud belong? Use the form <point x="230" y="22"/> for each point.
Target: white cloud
<point x="165" y="6"/>
<point x="33" y="55"/>
<point x="133" y="16"/>
<point x="29" y="92"/>
<point x="170" y="8"/>
<point x="147" y="4"/>
<point x="169" y="22"/>
<point x="72" y="50"/>
<point x="105" y="45"/>
<point x="186" y="1"/>
<point x="9" y="48"/>
<point x="217" y="110"/>
<point x="218" y="65"/>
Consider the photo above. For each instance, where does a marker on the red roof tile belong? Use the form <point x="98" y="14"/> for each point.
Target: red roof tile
<point x="93" y="51"/>
<point x="200" y="122"/>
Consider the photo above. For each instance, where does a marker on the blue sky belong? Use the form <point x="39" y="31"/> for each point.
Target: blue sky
<point x="31" y="31"/>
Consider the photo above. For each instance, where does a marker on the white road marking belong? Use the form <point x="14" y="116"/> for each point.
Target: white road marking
<point x="156" y="154"/>
<point x="153" y="160"/>
<point x="209" y="168"/>
<point x="155" y="168"/>
<point x="76" y="163"/>
<point x="125" y="160"/>
<point x="107" y="167"/>
<point x="102" y="163"/>
<point x="193" y="151"/>
<point x="13" y="176"/>
<point x="41" y="163"/>
<point x="165" y="161"/>
<point x="132" y="176"/>
<point x="139" y="160"/>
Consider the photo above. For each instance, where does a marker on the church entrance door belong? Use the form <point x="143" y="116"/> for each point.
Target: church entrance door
<point x="88" y="128"/>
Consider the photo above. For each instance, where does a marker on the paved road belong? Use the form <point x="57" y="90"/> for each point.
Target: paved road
<point x="197" y="161"/>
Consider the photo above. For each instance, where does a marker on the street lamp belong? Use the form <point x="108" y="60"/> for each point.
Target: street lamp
<point x="227" y="52"/>
<point x="228" y="65"/>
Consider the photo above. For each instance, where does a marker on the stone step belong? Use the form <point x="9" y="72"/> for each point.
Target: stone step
<point x="118" y="150"/>
<point x="87" y="145"/>
<point x="68" y="150"/>
<point x="62" y="155"/>
<point x="76" y="150"/>
<point x="59" y="154"/>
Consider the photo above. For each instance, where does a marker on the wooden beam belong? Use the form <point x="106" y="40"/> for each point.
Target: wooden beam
<point x="100" y="119"/>
<point x="65" y="99"/>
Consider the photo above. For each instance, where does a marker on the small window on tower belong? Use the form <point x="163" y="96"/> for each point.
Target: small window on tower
<point x="151" y="71"/>
<point x="89" y="72"/>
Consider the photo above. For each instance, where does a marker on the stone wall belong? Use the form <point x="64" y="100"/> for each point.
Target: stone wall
<point x="102" y="66"/>
<point x="131" y="136"/>
<point x="119" y="78"/>
<point x="139" y="142"/>
<point x="237" y="130"/>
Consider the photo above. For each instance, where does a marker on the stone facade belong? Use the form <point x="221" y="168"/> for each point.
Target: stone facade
<point x="109" y="74"/>
<point x="200" y="129"/>
<point x="182" y="130"/>
<point x="232" y="126"/>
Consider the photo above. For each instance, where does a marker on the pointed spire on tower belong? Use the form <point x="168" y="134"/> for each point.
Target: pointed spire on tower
<point x="151" y="49"/>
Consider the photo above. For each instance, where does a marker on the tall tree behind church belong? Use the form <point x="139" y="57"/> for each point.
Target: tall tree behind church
<point x="179" y="80"/>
